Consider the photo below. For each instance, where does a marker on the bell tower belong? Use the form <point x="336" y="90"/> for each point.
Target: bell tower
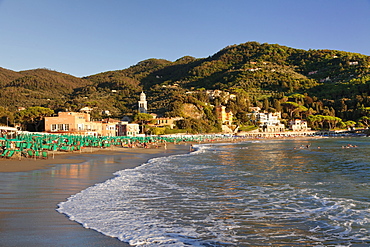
<point x="143" y="104"/>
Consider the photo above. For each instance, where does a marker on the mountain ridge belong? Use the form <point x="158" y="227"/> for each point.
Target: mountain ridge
<point x="259" y="73"/>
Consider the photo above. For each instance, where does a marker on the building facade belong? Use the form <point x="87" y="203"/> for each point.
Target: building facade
<point x="79" y="123"/>
<point x="127" y="129"/>
<point x="267" y="121"/>
<point x="163" y="122"/>
<point x="298" y="125"/>
<point x="225" y="117"/>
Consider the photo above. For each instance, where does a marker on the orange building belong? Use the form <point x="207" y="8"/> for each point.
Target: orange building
<point x="109" y="127"/>
<point x="79" y="123"/>
<point x="225" y="117"/>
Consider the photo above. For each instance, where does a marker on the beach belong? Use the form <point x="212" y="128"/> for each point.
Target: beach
<point x="31" y="189"/>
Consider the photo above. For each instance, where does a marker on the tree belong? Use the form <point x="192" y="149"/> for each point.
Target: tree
<point x="349" y="124"/>
<point x="314" y="120"/>
<point x="332" y="121"/>
<point x="6" y="117"/>
<point x="266" y="104"/>
<point x="297" y="97"/>
<point x="142" y="119"/>
<point x="277" y="105"/>
<point x="365" y="120"/>
<point x="292" y="107"/>
<point x="33" y="116"/>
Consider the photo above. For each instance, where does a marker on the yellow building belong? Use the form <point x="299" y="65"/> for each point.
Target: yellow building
<point x="162" y="122"/>
<point x="225" y="117"/>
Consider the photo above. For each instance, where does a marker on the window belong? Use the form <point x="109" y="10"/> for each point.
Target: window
<point x="80" y="126"/>
<point x="58" y="127"/>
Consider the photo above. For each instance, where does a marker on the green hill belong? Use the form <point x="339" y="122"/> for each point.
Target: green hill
<point x="39" y="87"/>
<point x="326" y="82"/>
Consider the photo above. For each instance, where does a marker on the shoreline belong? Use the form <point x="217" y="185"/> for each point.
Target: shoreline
<point x="29" y="197"/>
<point x="57" y="158"/>
<point x="76" y="157"/>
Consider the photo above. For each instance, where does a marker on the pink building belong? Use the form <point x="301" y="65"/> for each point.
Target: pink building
<point x="79" y="123"/>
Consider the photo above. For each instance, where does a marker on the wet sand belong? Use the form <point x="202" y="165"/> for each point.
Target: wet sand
<point x="31" y="189"/>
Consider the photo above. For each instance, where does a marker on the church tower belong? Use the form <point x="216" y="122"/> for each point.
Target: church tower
<point x="143" y="104"/>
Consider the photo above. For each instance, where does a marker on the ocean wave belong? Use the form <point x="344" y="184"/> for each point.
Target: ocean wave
<point x="203" y="199"/>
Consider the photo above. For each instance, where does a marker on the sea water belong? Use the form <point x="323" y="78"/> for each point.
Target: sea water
<point x="313" y="192"/>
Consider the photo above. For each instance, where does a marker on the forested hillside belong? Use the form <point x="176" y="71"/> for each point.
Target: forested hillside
<point x="297" y="82"/>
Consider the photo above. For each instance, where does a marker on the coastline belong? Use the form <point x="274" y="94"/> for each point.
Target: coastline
<point x="56" y="158"/>
<point x="55" y="180"/>
<point x="31" y="189"/>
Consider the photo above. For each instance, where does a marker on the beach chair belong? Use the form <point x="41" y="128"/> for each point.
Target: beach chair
<point x="64" y="148"/>
<point x="10" y="154"/>
<point x="45" y="146"/>
<point x="29" y="153"/>
<point x="44" y="154"/>
<point x="3" y="154"/>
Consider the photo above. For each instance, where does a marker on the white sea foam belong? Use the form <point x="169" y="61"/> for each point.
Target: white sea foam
<point x="116" y="208"/>
<point x="193" y="200"/>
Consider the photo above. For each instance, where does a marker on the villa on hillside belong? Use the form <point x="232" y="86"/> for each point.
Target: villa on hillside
<point x="163" y="122"/>
<point x="212" y="94"/>
<point x="298" y="125"/>
<point x="268" y="121"/>
<point x="86" y="109"/>
<point x="226" y="119"/>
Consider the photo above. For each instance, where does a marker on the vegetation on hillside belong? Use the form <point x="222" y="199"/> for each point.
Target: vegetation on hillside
<point x="301" y="84"/>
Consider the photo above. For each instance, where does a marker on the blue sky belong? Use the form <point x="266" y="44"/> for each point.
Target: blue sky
<point x="86" y="37"/>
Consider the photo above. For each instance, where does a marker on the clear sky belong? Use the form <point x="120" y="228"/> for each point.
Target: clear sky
<point x="86" y="37"/>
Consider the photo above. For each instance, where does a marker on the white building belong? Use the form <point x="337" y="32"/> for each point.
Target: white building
<point x="268" y="122"/>
<point x="298" y="125"/>
<point x="127" y="129"/>
<point x="143" y="104"/>
<point x="86" y="109"/>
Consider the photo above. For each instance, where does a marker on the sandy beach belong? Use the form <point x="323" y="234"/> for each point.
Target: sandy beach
<point x="31" y="189"/>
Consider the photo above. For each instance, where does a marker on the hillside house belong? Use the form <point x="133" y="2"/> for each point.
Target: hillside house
<point x="298" y="125"/>
<point x="162" y="122"/>
<point x="225" y="117"/>
<point x="86" y="109"/>
<point x="267" y="122"/>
